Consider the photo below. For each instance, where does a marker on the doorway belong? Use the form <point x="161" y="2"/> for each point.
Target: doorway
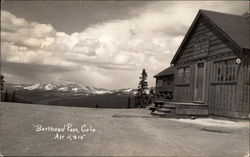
<point x="199" y="85"/>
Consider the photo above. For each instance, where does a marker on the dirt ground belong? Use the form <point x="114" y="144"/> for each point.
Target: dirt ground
<point x="115" y="132"/>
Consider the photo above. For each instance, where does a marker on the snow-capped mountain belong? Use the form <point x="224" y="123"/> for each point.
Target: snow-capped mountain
<point x="74" y="89"/>
<point x="40" y="86"/>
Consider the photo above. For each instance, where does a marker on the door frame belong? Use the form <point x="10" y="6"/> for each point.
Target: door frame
<point x="204" y="81"/>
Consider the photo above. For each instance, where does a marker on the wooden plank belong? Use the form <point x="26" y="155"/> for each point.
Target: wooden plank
<point x="200" y="27"/>
<point x="215" y="42"/>
<point x="227" y="98"/>
<point x="200" y="33"/>
<point x="245" y="86"/>
<point x="233" y="97"/>
<point x="215" y="72"/>
<point x="241" y="86"/>
<point x="216" y="47"/>
<point x="219" y="51"/>
<point x="214" y="37"/>
<point x="209" y="84"/>
<point x="223" y="104"/>
<point x="216" y="96"/>
<point x="236" y="98"/>
<point x="230" y="97"/>
<point x="219" y="96"/>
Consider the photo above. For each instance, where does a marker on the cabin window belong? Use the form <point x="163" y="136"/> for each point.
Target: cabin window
<point x="159" y="83"/>
<point x="225" y="71"/>
<point x="165" y="82"/>
<point x="183" y="75"/>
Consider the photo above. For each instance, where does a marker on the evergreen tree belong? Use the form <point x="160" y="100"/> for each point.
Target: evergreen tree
<point x="143" y="85"/>
<point x="2" y="81"/>
<point x="1" y="86"/>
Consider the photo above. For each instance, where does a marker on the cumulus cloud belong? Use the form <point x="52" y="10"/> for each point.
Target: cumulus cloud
<point x="105" y="54"/>
<point x="22" y="33"/>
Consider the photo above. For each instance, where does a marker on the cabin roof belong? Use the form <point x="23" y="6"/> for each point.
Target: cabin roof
<point x="169" y="71"/>
<point x="234" y="27"/>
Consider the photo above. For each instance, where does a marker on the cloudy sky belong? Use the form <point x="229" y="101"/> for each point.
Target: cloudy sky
<point x="95" y="43"/>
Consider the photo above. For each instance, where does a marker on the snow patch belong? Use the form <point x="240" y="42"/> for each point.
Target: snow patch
<point x="75" y="89"/>
<point x="49" y="87"/>
<point x="64" y="89"/>
<point x="127" y="90"/>
<point x="35" y="86"/>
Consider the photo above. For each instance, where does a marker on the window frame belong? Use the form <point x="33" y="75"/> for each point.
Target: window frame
<point x="183" y="76"/>
<point x="159" y="83"/>
<point x="225" y="71"/>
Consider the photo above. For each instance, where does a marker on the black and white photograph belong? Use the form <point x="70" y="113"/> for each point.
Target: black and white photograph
<point x="125" y="78"/>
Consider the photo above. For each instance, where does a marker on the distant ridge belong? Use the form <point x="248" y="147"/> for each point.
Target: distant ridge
<point x="75" y="89"/>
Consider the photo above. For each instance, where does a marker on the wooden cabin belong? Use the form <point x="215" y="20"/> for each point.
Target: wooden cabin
<point x="213" y="64"/>
<point x="165" y="83"/>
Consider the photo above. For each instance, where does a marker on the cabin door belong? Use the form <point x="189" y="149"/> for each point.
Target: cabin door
<point x="199" y="82"/>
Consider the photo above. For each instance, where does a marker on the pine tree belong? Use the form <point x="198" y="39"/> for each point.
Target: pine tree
<point x="143" y="85"/>
<point x="2" y="81"/>
<point x="1" y="86"/>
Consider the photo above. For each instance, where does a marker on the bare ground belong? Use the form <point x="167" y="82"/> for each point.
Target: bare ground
<point x="119" y="132"/>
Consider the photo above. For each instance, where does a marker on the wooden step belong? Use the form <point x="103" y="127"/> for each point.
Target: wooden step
<point x="164" y="110"/>
<point x="184" y="104"/>
<point x="171" y="109"/>
<point x="187" y="109"/>
<point x="168" y="106"/>
<point x="158" y="113"/>
<point x="192" y="110"/>
<point x="159" y="102"/>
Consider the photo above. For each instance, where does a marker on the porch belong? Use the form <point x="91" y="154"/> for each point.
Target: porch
<point x="178" y="109"/>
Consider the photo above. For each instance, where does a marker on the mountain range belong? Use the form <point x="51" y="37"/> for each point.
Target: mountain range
<point x="72" y="95"/>
<point x="73" y="89"/>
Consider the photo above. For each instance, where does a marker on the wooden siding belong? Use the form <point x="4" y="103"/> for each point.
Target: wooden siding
<point x="231" y="99"/>
<point x="225" y="98"/>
